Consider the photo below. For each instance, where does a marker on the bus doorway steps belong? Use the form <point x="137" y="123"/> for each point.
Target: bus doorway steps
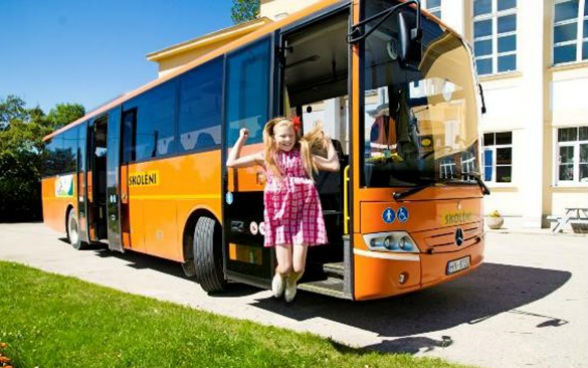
<point x="335" y="269"/>
<point x="331" y="286"/>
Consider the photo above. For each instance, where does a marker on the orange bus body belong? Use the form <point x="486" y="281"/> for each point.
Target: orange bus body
<point x="161" y="213"/>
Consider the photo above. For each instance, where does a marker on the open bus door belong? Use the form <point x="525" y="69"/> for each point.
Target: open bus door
<point x="82" y="200"/>
<point x="103" y="189"/>
<point x="248" y="88"/>
<point x="315" y="87"/>
<point x="113" y="180"/>
<point x="95" y="178"/>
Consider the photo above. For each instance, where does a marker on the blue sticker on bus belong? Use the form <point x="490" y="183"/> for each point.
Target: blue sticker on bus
<point x="388" y="215"/>
<point x="402" y="214"/>
<point x="229" y="198"/>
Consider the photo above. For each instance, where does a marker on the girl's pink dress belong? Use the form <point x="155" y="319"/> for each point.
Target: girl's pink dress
<point x="293" y="213"/>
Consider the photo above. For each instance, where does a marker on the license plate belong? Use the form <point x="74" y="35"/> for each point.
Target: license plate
<point x="458" y="265"/>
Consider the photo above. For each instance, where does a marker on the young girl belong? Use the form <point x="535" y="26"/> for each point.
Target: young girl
<point x="292" y="213"/>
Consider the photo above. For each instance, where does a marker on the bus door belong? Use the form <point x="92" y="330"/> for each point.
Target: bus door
<point x="82" y="209"/>
<point x="247" y="104"/>
<point x="129" y="134"/>
<point x="96" y="179"/>
<point x="113" y="187"/>
<point x="314" y="63"/>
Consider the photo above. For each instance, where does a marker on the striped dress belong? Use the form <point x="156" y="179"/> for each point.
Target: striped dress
<point x="292" y="213"/>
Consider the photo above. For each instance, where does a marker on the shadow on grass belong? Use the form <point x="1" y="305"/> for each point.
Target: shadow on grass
<point x="488" y="291"/>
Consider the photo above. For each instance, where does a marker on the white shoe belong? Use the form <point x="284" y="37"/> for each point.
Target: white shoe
<point x="278" y="285"/>
<point x="290" y="292"/>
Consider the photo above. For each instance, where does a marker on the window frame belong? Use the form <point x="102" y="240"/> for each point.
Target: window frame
<point x="578" y="41"/>
<point x="494" y="36"/>
<point x="576" y="159"/>
<point x="493" y="147"/>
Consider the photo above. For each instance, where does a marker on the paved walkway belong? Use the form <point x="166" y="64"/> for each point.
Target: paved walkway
<point x="526" y="306"/>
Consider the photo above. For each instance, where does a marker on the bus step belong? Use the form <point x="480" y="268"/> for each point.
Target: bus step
<point x="331" y="286"/>
<point x="335" y="269"/>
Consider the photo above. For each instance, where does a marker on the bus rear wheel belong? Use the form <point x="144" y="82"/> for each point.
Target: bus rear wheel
<point x="73" y="230"/>
<point x="208" y="259"/>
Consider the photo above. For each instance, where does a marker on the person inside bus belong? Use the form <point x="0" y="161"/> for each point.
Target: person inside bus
<point x="293" y="215"/>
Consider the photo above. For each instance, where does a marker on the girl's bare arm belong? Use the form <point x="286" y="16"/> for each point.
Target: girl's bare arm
<point x="235" y="161"/>
<point x="331" y="163"/>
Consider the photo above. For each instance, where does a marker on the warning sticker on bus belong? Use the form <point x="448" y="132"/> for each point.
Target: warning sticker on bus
<point x="144" y="178"/>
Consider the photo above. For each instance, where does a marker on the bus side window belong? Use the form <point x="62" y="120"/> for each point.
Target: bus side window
<point x="155" y="115"/>
<point x="199" y="121"/>
<point x="247" y="87"/>
<point x="129" y="135"/>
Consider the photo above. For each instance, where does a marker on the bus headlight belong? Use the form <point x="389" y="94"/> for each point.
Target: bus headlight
<point x="405" y="243"/>
<point x="387" y="242"/>
<point x="395" y="241"/>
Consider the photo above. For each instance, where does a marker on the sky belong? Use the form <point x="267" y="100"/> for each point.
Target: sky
<point x="89" y="52"/>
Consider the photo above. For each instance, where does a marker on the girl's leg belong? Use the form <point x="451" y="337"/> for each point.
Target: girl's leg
<point x="299" y="264"/>
<point x="284" y="258"/>
<point x="299" y="259"/>
<point x="283" y="269"/>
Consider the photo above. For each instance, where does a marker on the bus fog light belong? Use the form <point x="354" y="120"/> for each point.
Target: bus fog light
<point x="402" y="278"/>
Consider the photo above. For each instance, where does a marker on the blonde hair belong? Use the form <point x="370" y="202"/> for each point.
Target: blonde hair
<point x="309" y="143"/>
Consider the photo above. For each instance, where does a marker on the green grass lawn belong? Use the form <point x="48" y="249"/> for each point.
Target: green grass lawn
<point x="55" y="321"/>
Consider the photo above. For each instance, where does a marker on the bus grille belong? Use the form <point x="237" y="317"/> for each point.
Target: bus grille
<point x="443" y="240"/>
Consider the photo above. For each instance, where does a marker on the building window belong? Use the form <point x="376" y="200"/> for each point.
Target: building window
<point x="434" y="7"/>
<point x="570" y="31"/>
<point x="495" y="36"/>
<point x="447" y="168"/>
<point x="572" y="151"/>
<point x="497" y="158"/>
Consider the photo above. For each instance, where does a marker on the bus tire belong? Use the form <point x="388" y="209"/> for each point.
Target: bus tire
<point x="208" y="259"/>
<point x="73" y="230"/>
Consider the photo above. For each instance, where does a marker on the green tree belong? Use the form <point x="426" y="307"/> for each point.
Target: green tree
<point x="244" y="10"/>
<point x="63" y="114"/>
<point x="13" y="107"/>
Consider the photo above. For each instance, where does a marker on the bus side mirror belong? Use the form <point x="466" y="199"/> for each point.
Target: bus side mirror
<point x="409" y="40"/>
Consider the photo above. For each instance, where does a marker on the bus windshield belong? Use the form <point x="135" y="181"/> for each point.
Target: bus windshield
<point x="420" y="121"/>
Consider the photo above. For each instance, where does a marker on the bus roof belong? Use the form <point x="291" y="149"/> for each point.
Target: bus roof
<point x="266" y="29"/>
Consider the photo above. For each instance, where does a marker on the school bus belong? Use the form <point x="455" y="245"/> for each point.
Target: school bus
<point x="146" y="172"/>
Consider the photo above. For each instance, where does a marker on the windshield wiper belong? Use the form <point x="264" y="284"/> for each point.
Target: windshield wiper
<point x="478" y="179"/>
<point x="473" y="174"/>
<point x="411" y="191"/>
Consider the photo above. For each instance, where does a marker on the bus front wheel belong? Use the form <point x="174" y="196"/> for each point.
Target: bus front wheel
<point x="73" y="230"/>
<point x="208" y="255"/>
